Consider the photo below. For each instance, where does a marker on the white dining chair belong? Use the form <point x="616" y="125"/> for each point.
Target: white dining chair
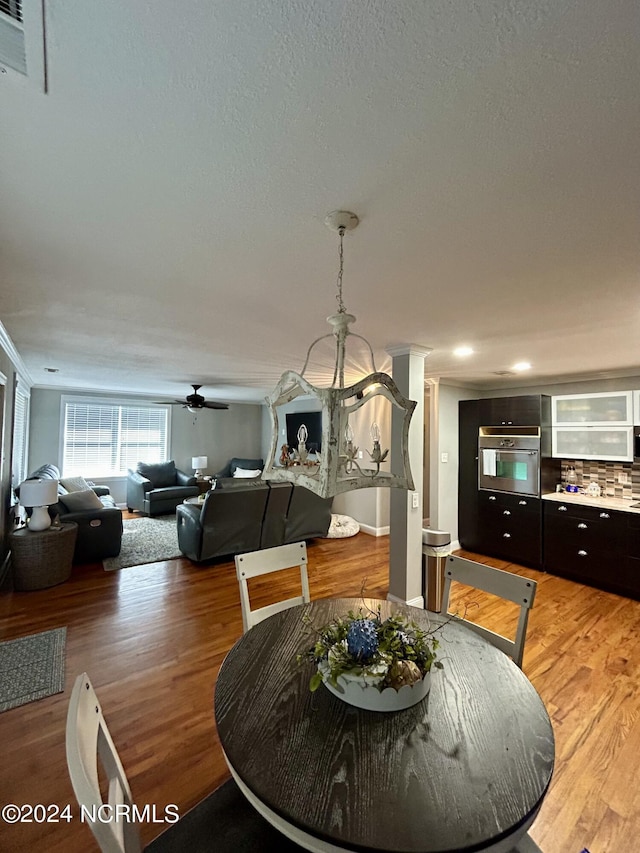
<point x="223" y="821"/>
<point x="520" y="590"/>
<point x="264" y="562"/>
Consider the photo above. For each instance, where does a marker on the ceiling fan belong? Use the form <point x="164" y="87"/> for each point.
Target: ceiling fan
<point x="194" y="402"/>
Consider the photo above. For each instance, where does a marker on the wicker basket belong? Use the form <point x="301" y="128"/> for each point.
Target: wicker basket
<point x="42" y="558"/>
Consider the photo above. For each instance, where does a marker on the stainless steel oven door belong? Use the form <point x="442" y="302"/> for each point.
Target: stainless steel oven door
<point x="515" y="471"/>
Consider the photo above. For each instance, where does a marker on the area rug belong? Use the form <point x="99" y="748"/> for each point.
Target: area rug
<point x="31" y="668"/>
<point x="146" y="540"/>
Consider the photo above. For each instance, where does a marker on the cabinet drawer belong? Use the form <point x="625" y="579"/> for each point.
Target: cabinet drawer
<point x="585" y="513"/>
<point x="499" y="501"/>
<point x="579" y="533"/>
<point x="511" y="538"/>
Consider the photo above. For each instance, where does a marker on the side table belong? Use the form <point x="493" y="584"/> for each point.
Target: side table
<point x="42" y="558"/>
<point x="203" y="486"/>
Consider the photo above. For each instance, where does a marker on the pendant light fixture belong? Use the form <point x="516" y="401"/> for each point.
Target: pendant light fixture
<point x="350" y="455"/>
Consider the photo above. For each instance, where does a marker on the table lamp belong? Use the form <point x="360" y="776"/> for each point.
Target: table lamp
<point x="199" y="463"/>
<point x="39" y="495"/>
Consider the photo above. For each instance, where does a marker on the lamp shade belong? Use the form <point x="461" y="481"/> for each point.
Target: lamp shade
<point x="38" y="492"/>
<point x="199" y="461"/>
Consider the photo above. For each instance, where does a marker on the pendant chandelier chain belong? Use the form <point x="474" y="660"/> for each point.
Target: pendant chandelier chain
<point x="341" y="308"/>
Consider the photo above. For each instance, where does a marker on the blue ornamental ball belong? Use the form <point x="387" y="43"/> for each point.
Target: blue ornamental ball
<point x="362" y="639"/>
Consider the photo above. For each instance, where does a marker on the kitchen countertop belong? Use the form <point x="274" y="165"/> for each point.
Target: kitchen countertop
<point x="619" y="504"/>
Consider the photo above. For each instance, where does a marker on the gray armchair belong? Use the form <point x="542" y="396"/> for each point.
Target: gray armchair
<point x="157" y="488"/>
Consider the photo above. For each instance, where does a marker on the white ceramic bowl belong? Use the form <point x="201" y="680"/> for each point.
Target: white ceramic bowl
<point x="361" y="691"/>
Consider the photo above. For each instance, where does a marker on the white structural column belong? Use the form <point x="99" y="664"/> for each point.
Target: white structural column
<point x="405" y="519"/>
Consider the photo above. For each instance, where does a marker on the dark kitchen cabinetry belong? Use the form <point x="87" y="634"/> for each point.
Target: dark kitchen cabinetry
<point x="523" y="410"/>
<point x="593" y="545"/>
<point x="509" y="526"/>
<point x="630" y="579"/>
<point x="468" y="424"/>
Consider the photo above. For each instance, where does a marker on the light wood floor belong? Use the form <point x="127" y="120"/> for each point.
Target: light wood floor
<point x="152" y="639"/>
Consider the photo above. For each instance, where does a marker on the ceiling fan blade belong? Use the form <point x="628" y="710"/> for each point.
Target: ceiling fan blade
<point x="212" y="405"/>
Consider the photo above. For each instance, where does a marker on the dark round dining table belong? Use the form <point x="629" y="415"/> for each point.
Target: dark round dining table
<point x="466" y="769"/>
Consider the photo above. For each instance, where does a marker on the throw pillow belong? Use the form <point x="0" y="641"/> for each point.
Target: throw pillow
<point x="161" y="474"/>
<point x="75" y="484"/>
<point x="247" y="464"/>
<point x="246" y="473"/>
<point x="79" y="501"/>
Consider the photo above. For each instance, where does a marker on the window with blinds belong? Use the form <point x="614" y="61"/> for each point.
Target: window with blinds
<point x="12" y="8"/>
<point x="12" y="47"/>
<point x="20" y="433"/>
<point x="103" y="439"/>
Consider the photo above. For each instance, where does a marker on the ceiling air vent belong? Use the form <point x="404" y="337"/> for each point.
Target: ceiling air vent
<point x="12" y="50"/>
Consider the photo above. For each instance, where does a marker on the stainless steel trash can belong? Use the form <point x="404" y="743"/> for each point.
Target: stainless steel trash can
<point x="436" y="546"/>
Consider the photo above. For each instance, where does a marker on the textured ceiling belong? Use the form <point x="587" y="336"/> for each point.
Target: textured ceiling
<point x="163" y="203"/>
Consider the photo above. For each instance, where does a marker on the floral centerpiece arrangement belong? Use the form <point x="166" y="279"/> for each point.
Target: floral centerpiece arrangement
<point x="374" y="663"/>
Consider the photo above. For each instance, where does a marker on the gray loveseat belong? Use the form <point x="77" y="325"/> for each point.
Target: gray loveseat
<point x="242" y="515"/>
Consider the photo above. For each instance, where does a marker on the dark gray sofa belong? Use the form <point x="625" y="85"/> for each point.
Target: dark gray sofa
<point x="242" y="515"/>
<point x="99" y="530"/>
<point x="157" y="488"/>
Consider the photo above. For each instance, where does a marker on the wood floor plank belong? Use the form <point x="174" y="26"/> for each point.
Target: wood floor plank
<point x="152" y="639"/>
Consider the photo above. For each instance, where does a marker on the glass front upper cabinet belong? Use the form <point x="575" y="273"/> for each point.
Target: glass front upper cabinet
<point x="614" y="408"/>
<point x="607" y="444"/>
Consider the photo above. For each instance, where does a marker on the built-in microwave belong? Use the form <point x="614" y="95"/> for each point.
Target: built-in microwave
<point x="509" y="463"/>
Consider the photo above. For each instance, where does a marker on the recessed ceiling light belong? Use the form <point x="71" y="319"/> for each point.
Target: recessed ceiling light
<point x="463" y="351"/>
<point x="522" y="365"/>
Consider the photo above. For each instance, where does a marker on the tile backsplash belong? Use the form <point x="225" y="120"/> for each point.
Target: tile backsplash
<point x="607" y="475"/>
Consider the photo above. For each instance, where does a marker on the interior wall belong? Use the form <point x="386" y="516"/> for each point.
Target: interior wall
<point x="8" y="369"/>
<point x="214" y="433"/>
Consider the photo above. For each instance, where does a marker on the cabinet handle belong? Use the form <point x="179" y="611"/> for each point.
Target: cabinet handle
<point x="506" y="536"/>
<point x="492" y="497"/>
<point x="582" y="526"/>
<point x="562" y="509"/>
<point x="506" y="512"/>
<point x="522" y="503"/>
<point x="604" y="515"/>
<point x="582" y="553"/>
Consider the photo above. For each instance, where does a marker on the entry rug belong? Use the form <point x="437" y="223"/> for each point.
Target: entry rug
<point x="31" y="668"/>
<point x="146" y="540"/>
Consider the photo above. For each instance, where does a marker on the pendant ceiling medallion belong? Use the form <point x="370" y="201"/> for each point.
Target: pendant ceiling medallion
<point x="346" y="454"/>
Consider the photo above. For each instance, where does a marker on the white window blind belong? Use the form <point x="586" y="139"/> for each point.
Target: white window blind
<point x="20" y="432"/>
<point x="104" y="439"/>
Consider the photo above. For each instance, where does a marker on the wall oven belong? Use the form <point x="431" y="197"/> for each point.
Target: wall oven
<point x="509" y="463"/>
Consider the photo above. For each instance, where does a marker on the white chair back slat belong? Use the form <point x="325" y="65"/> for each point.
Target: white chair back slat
<point x="87" y="742"/>
<point x="257" y="563"/>
<point x="515" y="588"/>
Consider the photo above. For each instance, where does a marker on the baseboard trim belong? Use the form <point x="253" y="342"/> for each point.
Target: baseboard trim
<point x="413" y="602"/>
<point x="374" y="531"/>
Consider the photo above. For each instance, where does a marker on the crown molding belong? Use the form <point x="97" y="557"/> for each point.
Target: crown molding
<point x="9" y="347"/>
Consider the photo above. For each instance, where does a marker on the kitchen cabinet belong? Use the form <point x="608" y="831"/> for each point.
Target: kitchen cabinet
<point x="613" y="408"/>
<point x="510" y="526"/>
<point x="605" y="443"/>
<point x="523" y="410"/>
<point x="631" y="577"/>
<point x="636" y="408"/>
<point x="592" y="545"/>
<point x="468" y="425"/>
